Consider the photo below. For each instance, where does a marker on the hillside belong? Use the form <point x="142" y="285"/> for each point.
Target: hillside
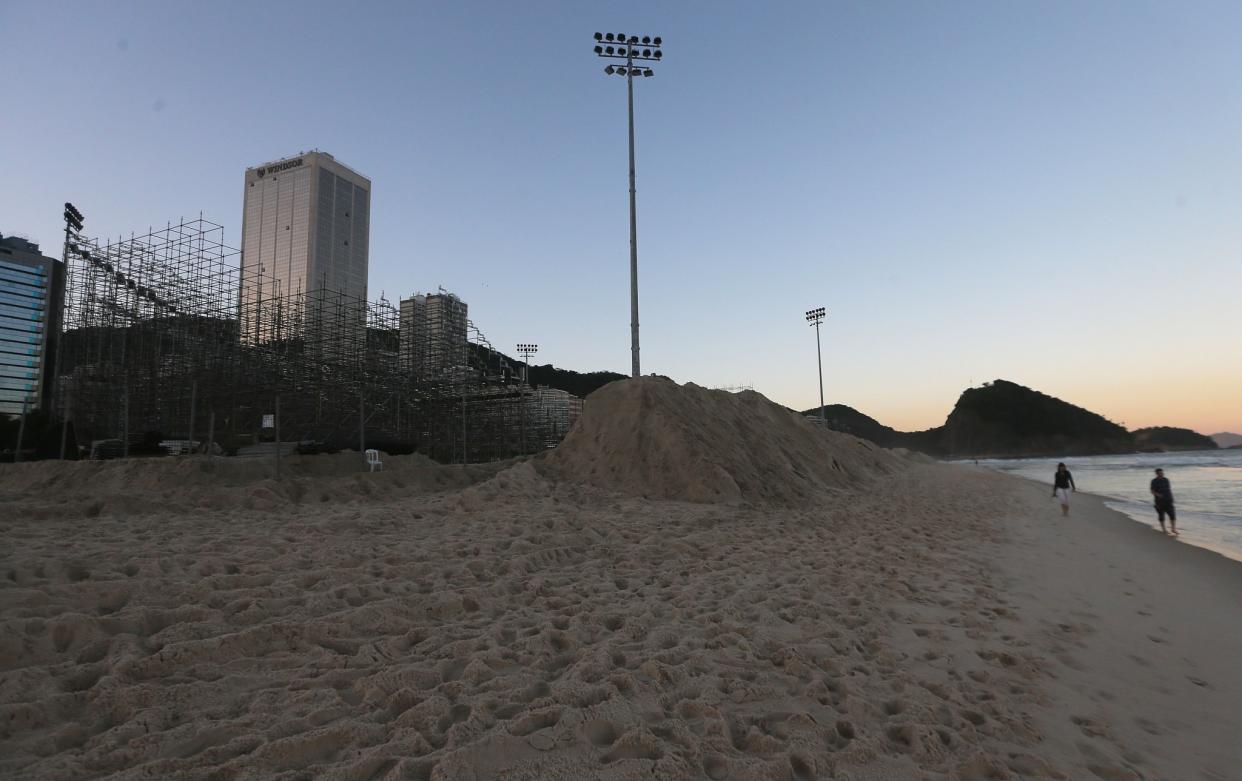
<point x="1000" y="418"/>
<point x="580" y="384"/>
<point x="1006" y="419"/>
<point x="1227" y="439"/>
<point x="850" y="421"/>
<point x="1159" y="439"/>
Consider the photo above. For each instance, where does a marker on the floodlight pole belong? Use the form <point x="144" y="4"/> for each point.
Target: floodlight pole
<point x="526" y="351"/>
<point x="819" y="359"/>
<point x="629" y="84"/>
<point x="630" y="48"/>
<point x="815" y="317"/>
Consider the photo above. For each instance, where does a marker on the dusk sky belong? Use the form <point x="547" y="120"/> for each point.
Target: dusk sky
<point x="1045" y="192"/>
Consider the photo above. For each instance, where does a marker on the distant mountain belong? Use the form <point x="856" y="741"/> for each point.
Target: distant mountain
<point x="578" y="383"/>
<point x="850" y="421"/>
<point x="1162" y="439"/>
<point x="508" y="369"/>
<point x="1227" y="439"/>
<point x="1006" y="419"/>
<point x="999" y="419"/>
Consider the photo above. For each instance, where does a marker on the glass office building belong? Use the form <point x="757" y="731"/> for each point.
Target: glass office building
<point x="305" y="230"/>
<point x="32" y="294"/>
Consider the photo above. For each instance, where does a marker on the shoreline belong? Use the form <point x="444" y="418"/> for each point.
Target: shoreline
<point x="968" y="460"/>
<point x="1128" y="509"/>
<point x="1143" y="633"/>
<point x="1208" y="485"/>
<point x="1149" y="523"/>
<point x="1116" y="505"/>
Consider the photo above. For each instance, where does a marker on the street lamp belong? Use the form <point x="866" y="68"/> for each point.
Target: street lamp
<point x="815" y="317"/>
<point x="631" y="49"/>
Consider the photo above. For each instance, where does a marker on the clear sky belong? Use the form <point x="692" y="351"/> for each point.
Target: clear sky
<point x="1045" y="192"/>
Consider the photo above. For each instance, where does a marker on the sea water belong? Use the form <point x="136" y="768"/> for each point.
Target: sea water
<point x="1207" y="489"/>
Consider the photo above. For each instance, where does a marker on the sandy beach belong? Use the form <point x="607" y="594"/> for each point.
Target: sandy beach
<point x="707" y="586"/>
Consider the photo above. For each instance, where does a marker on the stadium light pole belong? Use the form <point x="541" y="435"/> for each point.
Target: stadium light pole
<point x="526" y="351"/>
<point x="619" y="46"/>
<point x="815" y="317"/>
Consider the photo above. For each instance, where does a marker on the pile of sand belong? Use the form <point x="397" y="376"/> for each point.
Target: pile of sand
<point x="654" y="438"/>
<point x="649" y="437"/>
<point x="137" y="486"/>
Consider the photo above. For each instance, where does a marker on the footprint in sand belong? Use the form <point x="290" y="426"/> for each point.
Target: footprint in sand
<point x="716" y="767"/>
<point x="601" y="732"/>
<point x="534" y="721"/>
<point x="803" y="768"/>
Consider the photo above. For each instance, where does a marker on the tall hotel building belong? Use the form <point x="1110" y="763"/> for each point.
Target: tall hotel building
<point x="305" y="235"/>
<point x="32" y="296"/>
<point x="433" y="334"/>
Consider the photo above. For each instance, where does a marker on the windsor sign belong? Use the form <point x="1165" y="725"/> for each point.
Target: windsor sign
<point x="276" y="168"/>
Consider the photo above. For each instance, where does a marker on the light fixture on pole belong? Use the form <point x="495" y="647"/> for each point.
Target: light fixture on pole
<point x="815" y="317"/>
<point x="526" y="351"/>
<point x="631" y="49"/>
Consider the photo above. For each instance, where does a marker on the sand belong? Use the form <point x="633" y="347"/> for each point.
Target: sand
<point x="143" y="486"/>
<point x="656" y="439"/>
<point x="883" y="619"/>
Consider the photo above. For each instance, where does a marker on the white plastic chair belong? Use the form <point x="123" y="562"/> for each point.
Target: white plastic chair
<point x="373" y="460"/>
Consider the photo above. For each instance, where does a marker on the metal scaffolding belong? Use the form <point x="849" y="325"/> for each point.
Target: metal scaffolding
<point x="164" y="339"/>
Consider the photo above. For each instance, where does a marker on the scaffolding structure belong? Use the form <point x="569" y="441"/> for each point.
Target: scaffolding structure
<point x="164" y="339"/>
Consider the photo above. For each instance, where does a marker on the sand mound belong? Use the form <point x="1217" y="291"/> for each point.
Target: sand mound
<point x="912" y="456"/>
<point x="654" y="438"/>
<point x="138" y="486"/>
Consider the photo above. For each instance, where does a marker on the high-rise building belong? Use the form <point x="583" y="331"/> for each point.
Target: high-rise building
<point x="32" y="297"/>
<point x="433" y="334"/>
<point x="560" y="410"/>
<point x="305" y="236"/>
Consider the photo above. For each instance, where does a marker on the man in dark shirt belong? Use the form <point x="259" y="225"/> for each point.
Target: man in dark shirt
<point x="1062" y="482"/>
<point x="1163" y="494"/>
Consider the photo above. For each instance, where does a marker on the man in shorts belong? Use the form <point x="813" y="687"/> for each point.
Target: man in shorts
<point x="1062" y="483"/>
<point x="1162" y="492"/>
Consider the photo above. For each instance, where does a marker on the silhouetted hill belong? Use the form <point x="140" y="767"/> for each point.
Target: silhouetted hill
<point x="510" y="369"/>
<point x="1006" y="419"/>
<point x="849" y="420"/>
<point x="1227" y="439"/>
<point x="578" y="383"/>
<point x="1165" y="438"/>
<point x="1001" y="419"/>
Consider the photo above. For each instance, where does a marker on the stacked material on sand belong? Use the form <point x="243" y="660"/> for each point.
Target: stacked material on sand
<point x="653" y="438"/>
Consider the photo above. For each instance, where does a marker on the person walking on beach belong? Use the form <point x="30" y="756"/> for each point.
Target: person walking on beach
<point x="1062" y="483"/>
<point x="1162" y="492"/>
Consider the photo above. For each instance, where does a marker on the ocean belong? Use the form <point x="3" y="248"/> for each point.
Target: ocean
<point x="1207" y="489"/>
